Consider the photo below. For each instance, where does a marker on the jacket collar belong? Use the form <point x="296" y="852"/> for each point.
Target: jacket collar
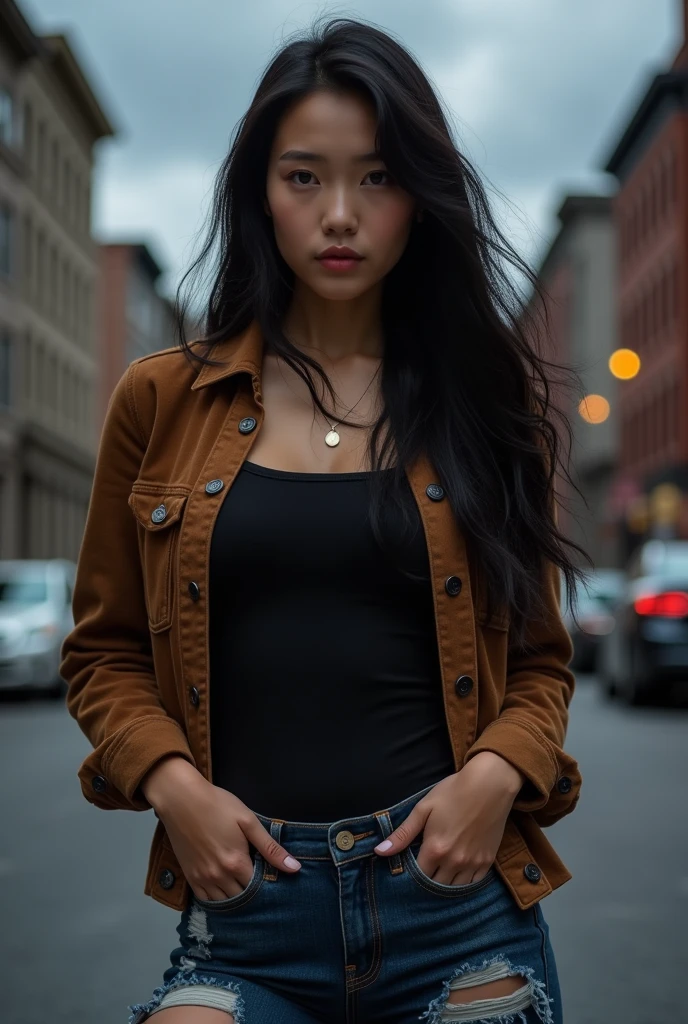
<point x="242" y="353"/>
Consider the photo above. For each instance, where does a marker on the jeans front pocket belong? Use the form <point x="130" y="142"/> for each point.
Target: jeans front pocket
<point x="439" y="888"/>
<point x="233" y="902"/>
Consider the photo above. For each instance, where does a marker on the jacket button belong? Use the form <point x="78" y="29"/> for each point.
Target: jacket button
<point x="435" y="492"/>
<point x="564" y="784"/>
<point x="532" y="872"/>
<point x="166" y="879"/>
<point x="247" y="425"/>
<point x="213" y="486"/>
<point x="453" y="585"/>
<point x="194" y="696"/>
<point x="159" y="514"/>
<point x="99" y="783"/>
<point x="194" y="591"/>
<point x="463" y="685"/>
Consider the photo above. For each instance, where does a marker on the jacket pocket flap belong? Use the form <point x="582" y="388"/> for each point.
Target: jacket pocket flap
<point x="156" y="511"/>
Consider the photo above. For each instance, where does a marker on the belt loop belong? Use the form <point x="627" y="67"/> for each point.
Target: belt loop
<point x="270" y="872"/>
<point x="396" y="866"/>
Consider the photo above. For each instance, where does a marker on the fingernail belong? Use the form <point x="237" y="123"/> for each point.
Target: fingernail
<point x="384" y="846"/>
<point x="291" y="862"/>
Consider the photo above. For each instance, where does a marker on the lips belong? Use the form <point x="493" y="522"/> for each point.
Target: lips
<point x="339" y="253"/>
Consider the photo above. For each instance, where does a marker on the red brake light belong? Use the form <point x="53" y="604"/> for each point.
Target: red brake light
<point x="673" y="604"/>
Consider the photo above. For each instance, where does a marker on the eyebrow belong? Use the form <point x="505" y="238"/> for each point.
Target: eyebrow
<point x="302" y="154"/>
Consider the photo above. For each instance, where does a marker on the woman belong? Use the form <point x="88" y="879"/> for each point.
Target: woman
<point x="323" y="640"/>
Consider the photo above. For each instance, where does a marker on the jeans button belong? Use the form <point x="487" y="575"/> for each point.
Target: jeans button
<point x="344" y="840"/>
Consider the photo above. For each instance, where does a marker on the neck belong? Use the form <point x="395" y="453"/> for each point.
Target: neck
<point x="331" y="331"/>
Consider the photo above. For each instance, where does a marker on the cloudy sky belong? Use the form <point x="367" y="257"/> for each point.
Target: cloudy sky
<point x="539" y="91"/>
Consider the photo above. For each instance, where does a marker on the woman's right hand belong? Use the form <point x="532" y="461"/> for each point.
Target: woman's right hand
<point x="210" y="830"/>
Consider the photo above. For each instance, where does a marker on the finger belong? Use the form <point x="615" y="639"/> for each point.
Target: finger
<point x="464" y="877"/>
<point x="404" y="833"/>
<point x="211" y="892"/>
<point x="270" y="849"/>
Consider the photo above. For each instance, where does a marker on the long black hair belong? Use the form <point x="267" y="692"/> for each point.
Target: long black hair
<point x="462" y="377"/>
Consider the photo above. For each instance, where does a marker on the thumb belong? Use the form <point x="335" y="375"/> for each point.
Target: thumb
<point x="402" y="836"/>
<point x="270" y="849"/>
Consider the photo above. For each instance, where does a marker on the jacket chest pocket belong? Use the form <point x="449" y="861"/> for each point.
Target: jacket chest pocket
<point x="159" y="514"/>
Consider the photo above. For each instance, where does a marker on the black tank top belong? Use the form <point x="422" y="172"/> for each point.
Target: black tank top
<point x="325" y="688"/>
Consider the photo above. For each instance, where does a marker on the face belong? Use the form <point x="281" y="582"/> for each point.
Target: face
<point x="326" y="187"/>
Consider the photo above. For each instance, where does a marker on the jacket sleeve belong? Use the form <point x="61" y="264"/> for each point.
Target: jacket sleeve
<point x="107" y="659"/>
<point x="530" y="729"/>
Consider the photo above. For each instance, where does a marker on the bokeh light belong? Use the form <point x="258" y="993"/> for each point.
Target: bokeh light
<point x="624" y="363"/>
<point x="594" y="408"/>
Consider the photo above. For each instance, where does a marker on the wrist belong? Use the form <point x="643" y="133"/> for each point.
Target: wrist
<point x="169" y="776"/>
<point x="509" y="777"/>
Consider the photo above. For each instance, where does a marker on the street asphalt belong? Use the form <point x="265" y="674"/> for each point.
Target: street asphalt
<point x="79" y="940"/>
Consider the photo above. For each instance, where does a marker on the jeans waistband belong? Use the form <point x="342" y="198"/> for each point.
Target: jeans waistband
<point x="343" y="840"/>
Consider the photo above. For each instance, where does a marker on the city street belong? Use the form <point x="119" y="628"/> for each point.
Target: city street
<point x="80" y="941"/>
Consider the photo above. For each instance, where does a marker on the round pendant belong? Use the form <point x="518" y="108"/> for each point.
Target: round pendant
<point x="332" y="438"/>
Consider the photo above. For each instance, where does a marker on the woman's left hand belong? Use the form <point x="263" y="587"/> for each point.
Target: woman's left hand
<point x="462" y="819"/>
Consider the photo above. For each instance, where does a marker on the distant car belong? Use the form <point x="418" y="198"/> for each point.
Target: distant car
<point x="35" y="617"/>
<point x="593" y="615"/>
<point x="647" y="650"/>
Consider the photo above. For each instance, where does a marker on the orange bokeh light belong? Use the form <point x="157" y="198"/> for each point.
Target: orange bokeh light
<point x="594" y="408"/>
<point x="624" y="363"/>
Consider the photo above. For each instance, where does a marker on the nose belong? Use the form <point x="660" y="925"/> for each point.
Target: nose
<point x="340" y="211"/>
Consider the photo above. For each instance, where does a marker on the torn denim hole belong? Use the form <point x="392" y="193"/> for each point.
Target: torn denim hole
<point x="496" y="1010"/>
<point x="197" y="930"/>
<point x="140" y="1012"/>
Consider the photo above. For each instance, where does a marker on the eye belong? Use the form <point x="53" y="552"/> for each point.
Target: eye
<point x="385" y="174"/>
<point x="293" y="174"/>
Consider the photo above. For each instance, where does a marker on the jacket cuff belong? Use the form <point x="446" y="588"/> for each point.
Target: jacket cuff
<point x="140" y="746"/>
<point x="527" y="750"/>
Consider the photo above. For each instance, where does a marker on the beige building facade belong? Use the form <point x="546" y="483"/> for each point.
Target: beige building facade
<point x="49" y="354"/>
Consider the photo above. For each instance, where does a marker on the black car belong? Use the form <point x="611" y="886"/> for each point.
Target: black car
<point x="646" y="653"/>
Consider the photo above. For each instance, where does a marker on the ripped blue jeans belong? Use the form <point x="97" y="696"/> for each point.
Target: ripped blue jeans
<point x="356" y="938"/>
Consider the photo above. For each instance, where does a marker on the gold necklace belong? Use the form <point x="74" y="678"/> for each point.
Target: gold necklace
<point x="332" y="437"/>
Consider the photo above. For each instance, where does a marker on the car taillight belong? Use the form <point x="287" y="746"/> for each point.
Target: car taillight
<point x="672" y="604"/>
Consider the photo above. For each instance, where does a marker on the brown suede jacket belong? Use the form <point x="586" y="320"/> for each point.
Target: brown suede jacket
<point x="136" y="661"/>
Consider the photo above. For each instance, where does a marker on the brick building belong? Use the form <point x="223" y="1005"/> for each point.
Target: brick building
<point x="650" y="162"/>
<point x="134" y="318"/>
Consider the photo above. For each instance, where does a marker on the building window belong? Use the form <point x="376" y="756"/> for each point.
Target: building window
<point x="6" y="239"/>
<point x="6" y="381"/>
<point x="41" y="144"/>
<point x="28" y="134"/>
<point x="7" y="126"/>
<point x="27" y="248"/>
<point x="28" y="367"/>
<point x="53" y="281"/>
